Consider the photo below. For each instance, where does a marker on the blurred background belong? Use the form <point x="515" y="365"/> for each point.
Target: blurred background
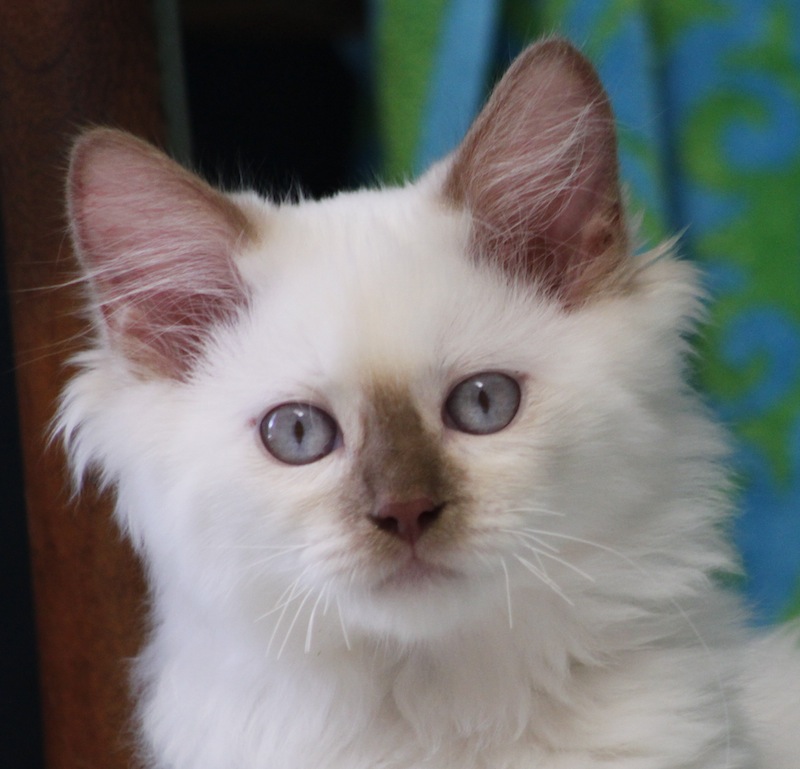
<point x="313" y="96"/>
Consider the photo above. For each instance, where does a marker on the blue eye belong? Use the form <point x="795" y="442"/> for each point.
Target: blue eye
<point x="483" y="404"/>
<point x="299" y="433"/>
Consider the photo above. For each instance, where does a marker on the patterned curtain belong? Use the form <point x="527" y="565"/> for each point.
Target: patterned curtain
<point x="707" y="96"/>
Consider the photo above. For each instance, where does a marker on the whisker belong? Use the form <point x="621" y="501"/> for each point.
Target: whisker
<point x="292" y="594"/>
<point x="261" y="561"/>
<point x="544" y="578"/>
<point x="281" y="603"/>
<point x="280" y="548"/>
<point x="310" y="628"/>
<point x="306" y="596"/>
<point x="562" y="561"/>
<point x="341" y="622"/>
<point x="525" y="534"/>
<point x="539" y="562"/>
<point x="327" y="603"/>
<point x="536" y="509"/>
<point x="508" y="593"/>
<point x="284" y="607"/>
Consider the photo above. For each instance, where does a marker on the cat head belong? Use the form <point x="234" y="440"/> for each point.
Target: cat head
<point x="405" y="407"/>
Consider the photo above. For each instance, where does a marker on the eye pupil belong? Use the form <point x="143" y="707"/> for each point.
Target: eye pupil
<point x="298" y="433"/>
<point x="483" y="403"/>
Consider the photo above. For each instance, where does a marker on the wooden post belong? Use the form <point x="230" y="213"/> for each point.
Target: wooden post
<point x="65" y="64"/>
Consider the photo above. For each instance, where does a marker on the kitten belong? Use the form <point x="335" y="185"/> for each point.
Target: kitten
<point x="415" y="473"/>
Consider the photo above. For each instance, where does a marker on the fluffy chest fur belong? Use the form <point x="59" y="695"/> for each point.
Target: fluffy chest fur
<point x="415" y="473"/>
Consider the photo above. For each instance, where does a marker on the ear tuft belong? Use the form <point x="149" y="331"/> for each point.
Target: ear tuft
<point x="538" y="173"/>
<point x="157" y="246"/>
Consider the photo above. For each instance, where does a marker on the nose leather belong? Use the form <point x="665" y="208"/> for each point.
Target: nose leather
<point x="407" y="519"/>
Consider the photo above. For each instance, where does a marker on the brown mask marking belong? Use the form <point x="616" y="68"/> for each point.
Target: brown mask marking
<point x="400" y="459"/>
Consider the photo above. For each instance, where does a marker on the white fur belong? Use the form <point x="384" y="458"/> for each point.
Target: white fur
<point x="584" y="629"/>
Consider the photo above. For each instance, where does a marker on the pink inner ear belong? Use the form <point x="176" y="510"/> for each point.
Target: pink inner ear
<point x="157" y="244"/>
<point x="538" y="173"/>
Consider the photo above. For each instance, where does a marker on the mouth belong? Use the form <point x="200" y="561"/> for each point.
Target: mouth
<point x="415" y="572"/>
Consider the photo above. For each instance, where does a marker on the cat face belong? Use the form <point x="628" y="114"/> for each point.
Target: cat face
<point x="405" y="407"/>
<point x="391" y="340"/>
<point x="411" y="486"/>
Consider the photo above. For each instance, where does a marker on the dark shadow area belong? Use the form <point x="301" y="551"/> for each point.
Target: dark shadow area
<point x="19" y="682"/>
<point x="274" y="99"/>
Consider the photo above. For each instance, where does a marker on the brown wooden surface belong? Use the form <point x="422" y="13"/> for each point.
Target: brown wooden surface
<point x="64" y="64"/>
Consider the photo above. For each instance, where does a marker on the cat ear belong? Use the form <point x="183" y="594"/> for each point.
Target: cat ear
<point x="157" y="246"/>
<point x="538" y="173"/>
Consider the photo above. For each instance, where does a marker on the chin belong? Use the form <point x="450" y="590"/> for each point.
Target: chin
<point x="418" y="603"/>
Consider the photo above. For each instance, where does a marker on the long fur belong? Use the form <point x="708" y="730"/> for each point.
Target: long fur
<point x="566" y="614"/>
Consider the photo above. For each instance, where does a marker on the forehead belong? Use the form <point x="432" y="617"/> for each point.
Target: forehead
<point x="374" y="285"/>
<point x="358" y="266"/>
<point x="368" y="247"/>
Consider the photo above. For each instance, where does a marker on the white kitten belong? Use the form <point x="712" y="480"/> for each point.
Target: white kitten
<point x="415" y="473"/>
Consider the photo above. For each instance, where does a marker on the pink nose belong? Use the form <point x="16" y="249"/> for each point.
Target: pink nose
<point x="407" y="520"/>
